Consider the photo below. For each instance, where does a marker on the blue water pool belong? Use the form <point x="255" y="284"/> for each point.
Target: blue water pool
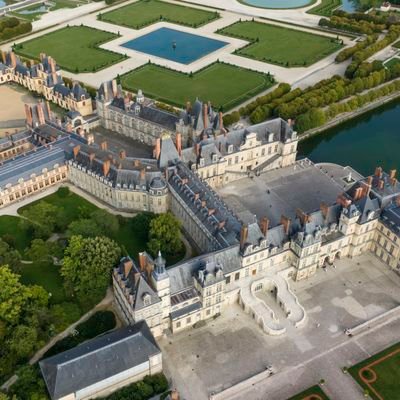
<point x="174" y="45"/>
<point x="277" y="3"/>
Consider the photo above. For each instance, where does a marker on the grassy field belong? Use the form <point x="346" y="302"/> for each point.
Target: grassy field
<point x="325" y="8"/>
<point x="47" y="275"/>
<point x="37" y="10"/>
<point x="280" y="45"/>
<point x="313" y="393"/>
<point x="147" y="12"/>
<point x="74" y="48"/>
<point x="383" y="374"/>
<point x="224" y="85"/>
<point x="10" y="225"/>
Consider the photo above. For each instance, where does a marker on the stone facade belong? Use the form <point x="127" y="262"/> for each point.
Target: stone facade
<point x="44" y="78"/>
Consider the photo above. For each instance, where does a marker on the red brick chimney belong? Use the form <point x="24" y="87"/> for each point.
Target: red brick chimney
<point x="221" y="224"/>
<point x="197" y="149"/>
<point x="76" y="151"/>
<point x="221" y="120"/>
<point x="244" y="231"/>
<point x="114" y="87"/>
<point x="358" y="193"/>
<point x="104" y="146"/>
<point x="370" y="179"/>
<point x="106" y="167"/>
<point x="13" y="59"/>
<point x="28" y="115"/>
<point x="378" y="172"/>
<point x="264" y="225"/>
<point x="381" y="184"/>
<point x="196" y="196"/>
<point x="178" y="143"/>
<point x="157" y="149"/>
<point x="304" y="218"/>
<point x="393" y="181"/>
<point x="211" y="211"/>
<point x="69" y="127"/>
<point x="128" y="264"/>
<point x="205" y="115"/>
<point x="142" y="261"/>
<point x="392" y="173"/>
<point x="40" y="113"/>
<point x="203" y="203"/>
<point x="285" y="221"/>
<point x="343" y="200"/>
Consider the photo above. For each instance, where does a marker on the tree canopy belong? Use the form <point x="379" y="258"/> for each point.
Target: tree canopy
<point x="87" y="267"/>
<point x="164" y="234"/>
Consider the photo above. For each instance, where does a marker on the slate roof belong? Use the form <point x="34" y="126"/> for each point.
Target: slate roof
<point x="98" y="359"/>
<point x="191" y="308"/>
<point x="391" y="217"/>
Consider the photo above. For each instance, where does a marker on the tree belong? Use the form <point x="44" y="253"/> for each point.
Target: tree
<point x="84" y="227"/>
<point x="9" y="256"/>
<point x="164" y="234"/>
<point x="44" y="218"/>
<point x="23" y="341"/>
<point x="87" y="267"/>
<point x="108" y="223"/>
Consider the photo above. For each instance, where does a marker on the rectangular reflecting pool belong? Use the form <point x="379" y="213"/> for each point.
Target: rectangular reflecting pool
<point x="174" y="45"/>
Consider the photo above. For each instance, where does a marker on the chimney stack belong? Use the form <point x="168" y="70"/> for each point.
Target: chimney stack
<point x="203" y="203"/>
<point x="92" y="157"/>
<point x="76" y="151"/>
<point x="381" y="184"/>
<point x="69" y="127"/>
<point x="205" y="116"/>
<point x="370" y="179"/>
<point x="221" y="224"/>
<point x="264" y="225"/>
<point x="221" y="121"/>
<point x="136" y="163"/>
<point x="178" y="143"/>
<point x="122" y="154"/>
<point x="104" y="146"/>
<point x="114" y="87"/>
<point x="142" y="261"/>
<point x="398" y="201"/>
<point x="143" y="174"/>
<point x="128" y="264"/>
<point x="358" y="193"/>
<point x="285" y="221"/>
<point x="157" y="149"/>
<point x="106" y="167"/>
<point x="378" y="172"/>
<point x="324" y="209"/>
<point x="243" y="235"/>
<point x="48" y="110"/>
<point x="392" y="174"/>
<point x="13" y="59"/>
<point x="343" y="200"/>
<point x="28" y="115"/>
<point x="4" y="57"/>
<point x="304" y="218"/>
<point x="40" y="113"/>
<point x="197" y="149"/>
<point x="393" y="181"/>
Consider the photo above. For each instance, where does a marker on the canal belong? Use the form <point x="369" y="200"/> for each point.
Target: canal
<point x="365" y="142"/>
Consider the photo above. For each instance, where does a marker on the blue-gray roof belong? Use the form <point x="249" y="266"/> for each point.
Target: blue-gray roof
<point x="98" y="359"/>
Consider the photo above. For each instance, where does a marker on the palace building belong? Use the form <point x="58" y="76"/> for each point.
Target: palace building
<point x="258" y="216"/>
<point x="44" y="78"/>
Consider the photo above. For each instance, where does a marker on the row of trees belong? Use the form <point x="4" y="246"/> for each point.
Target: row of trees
<point x="351" y="25"/>
<point x="11" y="27"/>
<point x="348" y="52"/>
<point x="363" y="54"/>
<point x="316" y="117"/>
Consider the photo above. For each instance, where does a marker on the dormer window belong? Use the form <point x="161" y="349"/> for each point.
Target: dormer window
<point x="230" y="148"/>
<point x="214" y="157"/>
<point x="146" y="299"/>
<point x="201" y="162"/>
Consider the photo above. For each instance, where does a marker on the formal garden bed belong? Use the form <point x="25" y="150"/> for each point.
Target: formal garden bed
<point x="146" y="12"/>
<point x="379" y="375"/>
<point x="325" y="8"/>
<point x="223" y="84"/>
<point x="313" y="393"/>
<point x="75" y="48"/>
<point x="281" y="45"/>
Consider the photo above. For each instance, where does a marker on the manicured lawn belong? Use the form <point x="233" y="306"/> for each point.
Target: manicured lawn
<point x="33" y="13"/>
<point x="280" y="45"/>
<point x="224" y="85"/>
<point x="74" y="48"/>
<point x="9" y="225"/>
<point x="386" y="366"/>
<point x="73" y="205"/>
<point x="147" y="12"/>
<point x="325" y="8"/>
<point x="313" y="393"/>
<point x="391" y="63"/>
<point x="47" y="275"/>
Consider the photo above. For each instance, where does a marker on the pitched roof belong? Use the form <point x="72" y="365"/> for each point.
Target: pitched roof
<point x="98" y="359"/>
